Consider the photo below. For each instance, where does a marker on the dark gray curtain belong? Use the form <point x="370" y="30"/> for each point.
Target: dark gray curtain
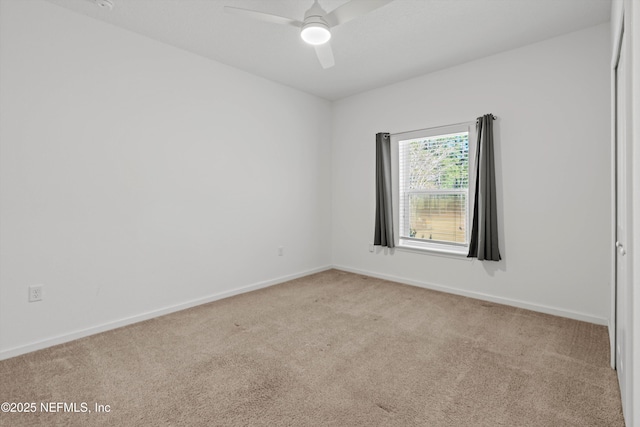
<point x="384" y="211"/>
<point x="484" y="231"/>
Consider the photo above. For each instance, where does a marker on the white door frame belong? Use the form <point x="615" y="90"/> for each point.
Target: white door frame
<point x="612" y="231"/>
<point x="627" y="351"/>
<point x="617" y="42"/>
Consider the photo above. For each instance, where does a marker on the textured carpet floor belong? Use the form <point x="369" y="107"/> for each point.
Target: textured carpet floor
<point x="331" y="349"/>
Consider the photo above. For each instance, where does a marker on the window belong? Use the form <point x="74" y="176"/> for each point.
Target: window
<point x="432" y="197"/>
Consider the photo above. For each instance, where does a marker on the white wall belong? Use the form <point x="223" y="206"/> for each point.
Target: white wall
<point x="137" y="178"/>
<point x="552" y="148"/>
<point x="130" y="172"/>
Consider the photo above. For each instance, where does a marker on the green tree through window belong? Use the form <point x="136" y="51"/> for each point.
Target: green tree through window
<point x="435" y="177"/>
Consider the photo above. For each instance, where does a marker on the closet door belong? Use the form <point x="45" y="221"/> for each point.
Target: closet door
<point x="623" y="204"/>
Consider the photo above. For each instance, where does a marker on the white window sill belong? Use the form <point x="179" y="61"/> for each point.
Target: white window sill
<point x="458" y="252"/>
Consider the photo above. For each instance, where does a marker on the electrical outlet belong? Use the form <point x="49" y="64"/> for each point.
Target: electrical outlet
<point x="35" y="293"/>
<point x="280" y="251"/>
<point x="370" y="247"/>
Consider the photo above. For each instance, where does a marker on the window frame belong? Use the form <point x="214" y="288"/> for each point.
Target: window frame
<point x="419" y="245"/>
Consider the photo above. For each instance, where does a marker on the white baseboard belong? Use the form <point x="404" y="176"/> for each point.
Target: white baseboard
<point x="61" y="339"/>
<point x="481" y="296"/>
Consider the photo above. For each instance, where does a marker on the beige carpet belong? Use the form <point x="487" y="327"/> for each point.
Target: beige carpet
<point x="332" y="349"/>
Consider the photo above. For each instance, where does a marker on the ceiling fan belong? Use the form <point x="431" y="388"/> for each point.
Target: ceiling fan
<point x="315" y="28"/>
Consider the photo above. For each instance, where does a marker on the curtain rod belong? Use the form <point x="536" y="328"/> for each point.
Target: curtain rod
<point x="437" y="127"/>
<point x="492" y="115"/>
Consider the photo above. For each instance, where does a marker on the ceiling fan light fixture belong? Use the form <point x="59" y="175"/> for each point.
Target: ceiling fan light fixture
<point x="315" y="33"/>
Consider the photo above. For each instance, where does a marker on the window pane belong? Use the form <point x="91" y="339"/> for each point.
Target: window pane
<point x="434" y="185"/>
<point x="440" y="217"/>
<point x="439" y="163"/>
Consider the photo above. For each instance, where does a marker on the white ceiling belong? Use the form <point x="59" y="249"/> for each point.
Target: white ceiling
<point x="403" y="39"/>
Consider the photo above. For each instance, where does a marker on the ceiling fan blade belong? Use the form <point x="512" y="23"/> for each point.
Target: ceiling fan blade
<point x="265" y="17"/>
<point x="325" y="55"/>
<point x="352" y="10"/>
